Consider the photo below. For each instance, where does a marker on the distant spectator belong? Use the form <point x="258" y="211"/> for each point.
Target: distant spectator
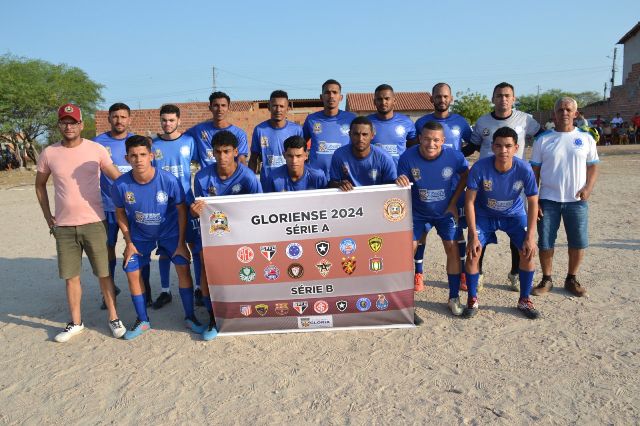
<point x="607" y="133"/>
<point x="617" y="121"/>
<point x="549" y="125"/>
<point x="598" y="122"/>
<point x="581" y="122"/>
<point x="623" y="135"/>
<point x="636" y="125"/>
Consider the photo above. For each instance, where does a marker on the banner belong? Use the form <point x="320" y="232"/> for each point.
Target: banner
<point x="310" y="260"/>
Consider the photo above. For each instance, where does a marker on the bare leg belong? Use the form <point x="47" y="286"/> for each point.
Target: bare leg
<point x="575" y="259"/>
<point x="109" y="294"/>
<point x="74" y="296"/>
<point x="546" y="261"/>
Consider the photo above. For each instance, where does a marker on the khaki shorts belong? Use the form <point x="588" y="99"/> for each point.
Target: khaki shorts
<point x="72" y="240"/>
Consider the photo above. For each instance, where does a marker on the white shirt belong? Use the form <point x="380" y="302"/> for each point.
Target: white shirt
<point x="524" y="124"/>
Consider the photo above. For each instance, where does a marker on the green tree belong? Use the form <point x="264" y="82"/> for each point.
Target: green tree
<point x="547" y="100"/>
<point x="471" y="105"/>
<point x="31" y="91"/>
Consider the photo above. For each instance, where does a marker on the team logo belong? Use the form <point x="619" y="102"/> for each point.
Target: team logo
<point x="212" y="191"/>
<point x="262" y="309"/>
<point x="129" y="197"/>
<point x="321" y="307"/>
<point x="271" y="272"/>
<point x="294" y="251"/>
<point x="210" y="154"/>
<point x="247" y="274"/>
<point x="300" y="307"/>
<point x="295" y="271"/>
<point x="455" y="130"/>
<point x="344" y="129"/>
<point x="341" y="305"/>
<point x="415" y="172"/>
<point x="245" y="254"/>
<point x="373" y="174"/>
<point x="185" y="151"/>
<point x="375" y="264"/>
<point x="363" y="304"/>
<point x="317" y="128"/>
<point x="578" y="142"/>
<point x="282" y="309"/>
<point x="68" y="108"/>
<point x="264" y="141"/>
<point x="218" y="223"/>
<point x="487" y="185"/>
<point x="322" y="146"/>
<point x="375" y="244"/>
<point x="447" y="172"/>
<point x="400" y="130"/>
<point x="323" y="267"/>
<point x="322" y="248"/>
<point x="162" y="197"/>
<point x="158" y="154"/>
<point x="268" y="252"/>
<point x="517" y="185"/>
<point x="486" y="132"/>
<point x="236" y="188"/>
<point x="349" y="264"/>
<point x="348" y="246"/>
<point x="246" y="310"/>
<point x="394" y="210"/>
<point x="205" y="137"/>
<point x="518" y="129"/>
<point x="382" y="303"/>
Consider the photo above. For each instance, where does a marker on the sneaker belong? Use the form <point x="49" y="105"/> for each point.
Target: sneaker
<point x="525" y="305"/>
<point x="104" y="305"/>
<point x="455" y="306"/>
<point x="197" y="297"/>
<point x="117" y="328"/>
<point x="463" y="282"/>
<point x="418" y="282"/>
<point x="162" y="300"/>
<point x="480" y="282"/>
<point x="69" y="331"/>
<point x="194" y="325"/>
<point x="574" y="287"/>
<point x="211" y="332"/>
<point x="138" y="328"/>
<point x="472" y="308"/>
<point x="514" y="281"/>
<point x="543" y="287"/>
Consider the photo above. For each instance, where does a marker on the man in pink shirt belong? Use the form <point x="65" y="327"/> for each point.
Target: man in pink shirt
<point x="78" y="224"/>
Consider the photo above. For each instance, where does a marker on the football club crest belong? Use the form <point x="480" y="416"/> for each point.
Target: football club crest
<point x="212" y="191"/>
<point x="271" y="272"/>
<point x="321" y="307"/>
<point x="264" y="141"/>
<point x="363" y="304"/>
<point x="455" y="130"/>
<point x="236" y="188"/>
<point x="322" y="248"/>
<point x="394" y="210"/>
<point x="382" y="303"/>
<point x="517" y="185"/>
<point x="317" y="128"/>
<point x="247" y="274"/>
<point x="294" y="251"/>
<point x="375" y="244"/>
<point x="375" y="264"/>
<point x="344" y="129"/>
<point x="341" y="305"/>
<point x="185" y="151"/>
<point x="348" y="246"/>
<point x="162" y="197"/>
<point x="349" y="264"/>
<point x="295" y="271"/>
<point x="129" y="197"/>
<point x="487" y="185"/>
<point x="282" y="309"/>
<point x="262" y="309"/>
<point x="415" y="173"/>
<point x="158" y="154"/>
<point x="323" y="267"/>
<point x="268" y="252"/>
<point x="300" y="307"/>
<point x="447" y="172"/>
<point x="246" y="310"/>
<point x="210" y="154"/>
<point x="218" y="223"/>
<point x="400" y="130"/>
<point x="68" y="108"/>
<point x="245" y="254"/>
<point x="578" y="142"/>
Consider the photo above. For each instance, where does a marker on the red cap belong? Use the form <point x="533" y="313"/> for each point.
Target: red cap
<point x="69" y="110"/>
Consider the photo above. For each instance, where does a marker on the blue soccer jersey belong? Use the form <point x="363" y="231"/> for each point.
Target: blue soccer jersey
<point x="377" y="168"/>
<point x="451" y="140"/>
<point x="203" y="134"/>
<point x="117" y="150"/>
<point x="279" y="180"/>
<point x="327" y="134"/>
<point x="498" y="194"/>
<point x="150" y="207"/>
<point x="207" y="183"/>
<point x="392" y="134"/>
<point x="175" y="156"/>
<point x="269" y="143"/>
<point x="432" y="180"/>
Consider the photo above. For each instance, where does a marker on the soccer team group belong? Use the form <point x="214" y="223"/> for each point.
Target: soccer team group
<point x="142" y="187"/>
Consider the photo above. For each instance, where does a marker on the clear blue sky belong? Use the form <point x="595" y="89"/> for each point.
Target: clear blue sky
<point x="147" y="53"/>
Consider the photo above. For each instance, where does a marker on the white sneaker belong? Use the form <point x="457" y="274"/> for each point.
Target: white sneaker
<point x="455" y="306"/>
<point x="514" y="282"/>
<point x="69" y="331"/>
<point x="480" y="282"/>
<point x="117" y="328"/>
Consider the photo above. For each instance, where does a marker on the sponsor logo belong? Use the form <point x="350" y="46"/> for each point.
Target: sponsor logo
<point x="382" y="303"/>
<point x="282" y="309"/>
<point x="246" y="310"/>
<point x="363" y="304"/>
<point x="322" y="248"/>
<point x="517" y="185"/>
<point x="218" y="223"/>
<point x="486" y="132"/>
<point x="247" y="274"/>
<point x="321" y="307"/>
<point x="349" y="264"/>
<point x="415" y="173"/>
<point x="236" y="188"/>
<point x="342" y="305"/>
<point x="447" y="172"/>
<point x="264" y="141"/>
<point x="268" y="252"/>
<point x="210" y="154"/>
<point x="294" y="251"/>
<point x="347" y="246"/>
<point x="317" y="128"/>
<point x="162" y="197"/>
<point x="322" y="147"/>
<point x="325" y="321"/>
<point x="262" y="309"/>
<point x="212" y="191"/>
<point x="431" y="195"/>
<point x="245" y="254"/>
<point x="394" y="210"/>
<point x="487" y="185"/>
<point x="271" y="272"/>
<point x="300" y="307"/>
<point x="158" y="154"/>
<point x="295" y="270"/>
<point x="129" y="197"/>
<point x="323" y="267"/>
<point x="375" y="244"/>
<point x="375" y="264"/>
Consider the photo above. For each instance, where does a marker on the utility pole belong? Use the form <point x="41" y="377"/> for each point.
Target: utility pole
<point x="613" y="67"/>
<point x="604" y="92"/>
<point x="213" y="79"/>
<point x="538" y="99"/>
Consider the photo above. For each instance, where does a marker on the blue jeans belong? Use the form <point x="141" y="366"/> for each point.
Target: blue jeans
<point x="574" y="215"/>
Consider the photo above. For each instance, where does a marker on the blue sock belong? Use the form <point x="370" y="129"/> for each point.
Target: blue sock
<point x="417" y="258"/>
<point x="526" y="283"/>
<point x="472" y="284"/>
<point x="454" y="285"/>
<point x="197" y="268"/>
<point x="112" y="268"/>
<point x="186" y="295"/>
<point x="141" y="306"/>
<point x="207" y="303"/>
<point x="164" y="264"/>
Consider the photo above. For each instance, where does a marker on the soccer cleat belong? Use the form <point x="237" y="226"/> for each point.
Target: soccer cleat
<point x="197" y="297"/>
<point x="211" y="332"/>
<point x="574" y="287"/>
<point x="543" y="287"/>
<point x="194" y="325"/>
<point x="472" y="308"/>
<point x="525" y="305"/>
<point x="69" y="331"/>
<point x="463" y="282"/>
<point x="455" y="306"/>
<point x="480" y="282"/>
<point x="104" y="305"/>
<point x="514" y="281"/>
<point x="162" y="300"/>
<point x="138" y="328"/>
<point x="117" y="328"/>
<point x="418" y="282"/>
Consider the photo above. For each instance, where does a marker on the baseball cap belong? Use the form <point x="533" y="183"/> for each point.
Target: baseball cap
<point x="69" y="110"/>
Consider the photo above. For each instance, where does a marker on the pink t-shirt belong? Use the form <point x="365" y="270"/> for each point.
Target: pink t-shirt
<point x="76" y="180"/>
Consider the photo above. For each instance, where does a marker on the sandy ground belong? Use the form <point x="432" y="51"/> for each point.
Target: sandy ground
<point x="578" y="364"/>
